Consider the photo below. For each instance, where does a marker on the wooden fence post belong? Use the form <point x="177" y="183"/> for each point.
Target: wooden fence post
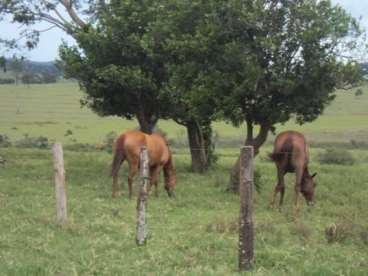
<point x="246" y="234"/>
<point x="141" y="233"/>
<point x="59" y="176"/>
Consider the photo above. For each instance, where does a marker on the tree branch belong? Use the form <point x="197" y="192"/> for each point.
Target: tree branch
<point x="52" y="20"/>
<point x="72" y="13"/>
<point x="262" y="135"/>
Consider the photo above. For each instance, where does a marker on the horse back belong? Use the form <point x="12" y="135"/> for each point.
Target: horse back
<point x="290" y="150"/>
<point x="131" y="142"/>
<point x="158" y="150"/>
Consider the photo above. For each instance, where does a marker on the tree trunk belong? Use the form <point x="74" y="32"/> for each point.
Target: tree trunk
<point x="197" y="146"/>
<point x="250" y="141"/>
<point x="146" y="122"/>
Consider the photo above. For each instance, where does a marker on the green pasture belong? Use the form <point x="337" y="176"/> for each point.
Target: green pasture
<point x="196" y="234"/>
<point x="54" y="110"/>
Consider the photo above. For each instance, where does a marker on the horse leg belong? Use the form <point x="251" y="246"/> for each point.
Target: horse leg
<point x="155" y="172"/>
<point x="282" y="192"/>
<point x="278" y="188"/>
<point x="115" y="186"/>
<point x="116" y="164"/>
<point x="298" y="185"/>
<point x="133" y="168"/>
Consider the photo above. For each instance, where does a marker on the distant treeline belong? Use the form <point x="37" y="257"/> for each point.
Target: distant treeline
<point x="30" y="72"/>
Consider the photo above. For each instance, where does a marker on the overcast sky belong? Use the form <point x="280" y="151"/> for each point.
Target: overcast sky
<point x="47" y="49"/>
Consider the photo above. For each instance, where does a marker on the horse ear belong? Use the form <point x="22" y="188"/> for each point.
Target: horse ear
<point x="313" y="175"/>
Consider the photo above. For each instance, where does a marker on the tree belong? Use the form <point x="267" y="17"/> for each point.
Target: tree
<point x="121" y="72"/>
<point x="15" y="65"/>
<point x="280" y="60"/>
<point x="110" y="62"/>
<point x="119" y="61"/>
<point x="3" y="63"/>
<point x="185" y="29"/>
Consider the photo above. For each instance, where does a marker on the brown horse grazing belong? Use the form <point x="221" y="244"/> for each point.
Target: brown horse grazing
<point x="127" y="147"/>
<point x="290" y="154"/>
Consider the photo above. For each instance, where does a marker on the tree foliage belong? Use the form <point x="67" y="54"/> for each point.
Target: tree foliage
<point x="115" y="62"/>
<point x="281" y="60"/>
<point x="261" y="62"/>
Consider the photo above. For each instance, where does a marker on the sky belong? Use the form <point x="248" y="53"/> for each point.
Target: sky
<point x="47" y="49"/>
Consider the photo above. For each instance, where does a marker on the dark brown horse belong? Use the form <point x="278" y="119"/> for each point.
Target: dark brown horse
<point x="127" y="147"/>
<point x="290" y="154"/>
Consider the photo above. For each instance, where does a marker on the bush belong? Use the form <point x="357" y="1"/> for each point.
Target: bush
<point x="336" y="156"/>
<point x="359" y="92"/>
<point x="39" y="142"/>
<point x="31" y="78"/>
<point x="68" y="132"/>
<point x="80" y="147"/>
<point x="4" y="141"/>
<point x="7" y="81"/>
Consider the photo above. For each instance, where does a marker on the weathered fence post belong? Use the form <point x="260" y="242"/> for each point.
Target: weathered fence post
<point x="141" y="234"/>
<point x="59" y="176"/>
<point x="246" y="234"/>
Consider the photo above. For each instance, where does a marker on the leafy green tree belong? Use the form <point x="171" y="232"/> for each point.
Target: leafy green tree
<point x="3" y="63"/>
<point x="15" y="65"/>
<point x="110" y="62"/>
<point x="121" y="61"/>
<point x="280" y="60"/>
<point x="119" y="71"/>
<point x="184" y="27"/>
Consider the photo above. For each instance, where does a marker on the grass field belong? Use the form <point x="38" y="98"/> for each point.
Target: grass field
<point x="53" y="110"/>
<point x="197" y="233"/>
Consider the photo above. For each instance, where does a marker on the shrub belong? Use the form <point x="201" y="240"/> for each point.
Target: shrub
<point x="40" y="142"/>
<point x="359" y="92"/>
<point x="336" y="156"/>
<point x="4" y="141"/>
<point x="7" y="81"/>
<point x="346" y="229"/>
<point x="31" y="78"/>
<point x="337" y="232"/>
<point x="68" y="132"/>
<point x="80" y="147"/>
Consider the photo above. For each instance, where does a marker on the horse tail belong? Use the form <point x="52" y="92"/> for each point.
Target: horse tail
<point x="276" y="156"/>
<point x="118" y="156"/>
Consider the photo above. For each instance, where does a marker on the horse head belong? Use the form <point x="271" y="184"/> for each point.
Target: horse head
<point x="308" y="186"/>
<point x="170" y="177"/>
